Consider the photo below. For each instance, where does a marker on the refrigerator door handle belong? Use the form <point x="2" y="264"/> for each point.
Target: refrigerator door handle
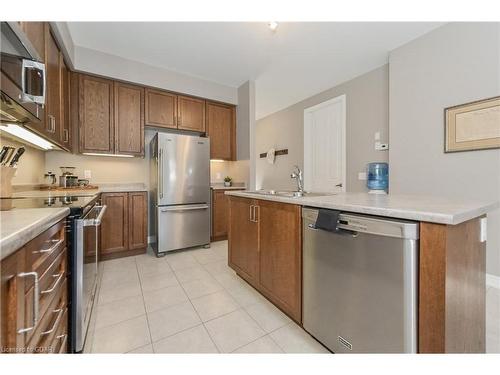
<point x="160" y="174"/>
<point x="184" y="208"/>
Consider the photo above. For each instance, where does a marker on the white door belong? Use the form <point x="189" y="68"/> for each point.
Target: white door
<point x="325" y="146"/>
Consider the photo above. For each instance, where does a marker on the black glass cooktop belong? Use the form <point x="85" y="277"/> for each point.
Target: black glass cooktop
<point x="72" y="201"/>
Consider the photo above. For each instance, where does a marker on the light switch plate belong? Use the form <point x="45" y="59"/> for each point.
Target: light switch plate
<point x="87" y="173"/>
<point x="484" y="232"/>
<point x="362" y="176"/>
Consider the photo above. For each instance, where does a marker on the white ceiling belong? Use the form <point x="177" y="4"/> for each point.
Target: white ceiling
<point x="297" y="61"/>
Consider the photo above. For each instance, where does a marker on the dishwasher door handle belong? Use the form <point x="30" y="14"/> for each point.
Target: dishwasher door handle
<point x="339" y="231"/>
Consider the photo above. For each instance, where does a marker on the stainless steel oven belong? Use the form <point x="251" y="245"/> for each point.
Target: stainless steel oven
<point x="85" y="271"/>
<point x="23" y="84"/>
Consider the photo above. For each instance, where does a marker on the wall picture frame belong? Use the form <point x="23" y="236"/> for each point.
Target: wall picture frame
<point x="472" y="126"/>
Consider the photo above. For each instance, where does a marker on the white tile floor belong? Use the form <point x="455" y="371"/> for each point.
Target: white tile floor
<point x="187" y="302"/>
<point x="192" y="302"/>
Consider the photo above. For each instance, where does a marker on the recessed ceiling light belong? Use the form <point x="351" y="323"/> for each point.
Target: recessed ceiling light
<point x="273" y="25"/>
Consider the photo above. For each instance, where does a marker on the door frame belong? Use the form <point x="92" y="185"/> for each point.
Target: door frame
<point x="307" y="135"/>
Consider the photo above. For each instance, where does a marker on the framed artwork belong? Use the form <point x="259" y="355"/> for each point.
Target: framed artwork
<point x="472" y="126"/>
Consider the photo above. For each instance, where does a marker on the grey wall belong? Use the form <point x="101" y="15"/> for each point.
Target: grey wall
<point x="454" y="64"/>
<point x="367" y="113"/>
<point x="243" y="122"/>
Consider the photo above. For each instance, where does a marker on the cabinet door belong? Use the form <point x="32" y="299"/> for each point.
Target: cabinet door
<point x="114" y="226"/>
<point x="129" y="119"/>
<point x="220" y="207"/>
<point x="161" y="109"/>
<point x="35" y="32"/>
<point x="243" y="239"/>
<point x="65" y="135"/>
<point x="222" y="131"/>
<point x="281" y="255"/>
<point x="191" y="114"/>
<point x="96" y="115"/>
<point x="12" y="317"/>
<point x="53" y="99"/>
<point x="138" y="220"/>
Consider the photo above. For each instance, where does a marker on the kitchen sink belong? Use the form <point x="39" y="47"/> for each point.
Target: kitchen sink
<point x="290" y="194"/>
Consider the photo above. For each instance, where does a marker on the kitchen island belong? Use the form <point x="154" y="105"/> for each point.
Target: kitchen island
<point x="265" y="248"/>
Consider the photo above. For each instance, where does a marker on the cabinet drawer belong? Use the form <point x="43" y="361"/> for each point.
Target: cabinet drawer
<point x="49" y="323"/>
<point x="50" y="285"/>
<point x="42" y="250"/>
<point x="60" y="340"/>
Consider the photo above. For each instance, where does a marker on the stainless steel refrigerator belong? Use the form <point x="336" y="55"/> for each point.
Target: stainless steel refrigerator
<point x="180" y="191"/>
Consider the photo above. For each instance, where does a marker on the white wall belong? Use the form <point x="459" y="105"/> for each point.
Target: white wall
<point x="367" y="113"/>
<point x="101" y="63"/>
<point x="451" y="65"/>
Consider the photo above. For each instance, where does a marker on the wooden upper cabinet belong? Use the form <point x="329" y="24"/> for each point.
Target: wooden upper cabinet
<point x="161" y="109"/>
<point x="243" y="239"/>
<point x="280" y="254"/>
<point x="96" y="125"/>
<point x="66" y="133"/>
<point x="53" y="98"/>
<point x="138" y="221"/>
<point x="129" y="119"/>
<point x="114" y="227"/>
<point x="35" y="32"/>
<point x="221" y="128"/>
<point x="191" y="114"/>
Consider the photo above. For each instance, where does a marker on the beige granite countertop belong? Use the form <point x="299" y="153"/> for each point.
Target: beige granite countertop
<point x="102" y="188"/>
<point x="411" y="207"/>
<point x="19" y="226"/>
<point x="220" y="186"/>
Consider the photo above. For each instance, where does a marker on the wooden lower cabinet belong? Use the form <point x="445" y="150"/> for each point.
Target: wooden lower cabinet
<point x="265" y="248"/>
<point x="45" y="257"/>
<point x="124" y="224"/>
<point x="220" y="212"/>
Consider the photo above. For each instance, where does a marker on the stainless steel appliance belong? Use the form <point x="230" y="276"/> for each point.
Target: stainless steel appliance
<point x="360" y="283"/>
<point x="85" y="268"/>
<point x="180" y="191"/>
<point x="68" y="178"/>
<point x="22" y="95"/>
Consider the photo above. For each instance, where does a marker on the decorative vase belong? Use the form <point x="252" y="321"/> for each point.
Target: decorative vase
<point x="227" y="183"/>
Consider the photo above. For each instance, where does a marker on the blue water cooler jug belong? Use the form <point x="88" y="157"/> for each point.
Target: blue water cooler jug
<point x="377" y="178"/>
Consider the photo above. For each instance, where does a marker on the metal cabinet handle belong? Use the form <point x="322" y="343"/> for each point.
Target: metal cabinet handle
<point x="66" y="135"/>
<point x="36" y="296"/>
<point x="54" y="286"/>
<point x="56" y="322"/>
<point x="256" y="214"/>
<point x="55" y="245"/>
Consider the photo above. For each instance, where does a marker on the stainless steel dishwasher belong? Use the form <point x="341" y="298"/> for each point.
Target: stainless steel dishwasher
<point x="360" y="283"/>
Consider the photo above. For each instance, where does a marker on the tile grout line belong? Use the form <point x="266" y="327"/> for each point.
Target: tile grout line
<point x="144" y="304"/>
<point x="196" y="311"/>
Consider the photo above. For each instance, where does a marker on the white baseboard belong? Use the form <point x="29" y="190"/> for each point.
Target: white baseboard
<point x="492" y="280"/>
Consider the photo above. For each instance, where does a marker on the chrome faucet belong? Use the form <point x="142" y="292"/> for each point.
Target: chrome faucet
<point x="298" y="176"/>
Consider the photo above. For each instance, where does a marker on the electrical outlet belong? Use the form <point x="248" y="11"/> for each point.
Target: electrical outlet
<point x="362" y="176"/>
<point x="381" y="146"/>
<point x="87" y="173"/>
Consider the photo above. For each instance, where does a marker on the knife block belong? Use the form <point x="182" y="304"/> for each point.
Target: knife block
<point x="6" y="175"/>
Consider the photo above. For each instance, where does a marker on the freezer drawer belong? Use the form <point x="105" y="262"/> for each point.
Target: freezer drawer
<point x="183" y="226"/>
<point x="360" y="284"/>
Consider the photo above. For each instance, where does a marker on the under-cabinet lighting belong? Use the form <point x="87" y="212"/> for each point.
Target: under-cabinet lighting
<point x="217" y="160"/>
<point x="115" y="155"/>
<point x="25" y="135"/>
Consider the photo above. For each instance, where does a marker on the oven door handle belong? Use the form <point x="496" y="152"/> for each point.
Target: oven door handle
<point x="97" y="221"/>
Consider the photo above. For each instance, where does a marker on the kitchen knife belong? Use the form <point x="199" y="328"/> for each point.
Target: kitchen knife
<point x="2" y="153"/>
<point x="8" y="155"/>
<point x="17" y="156"/>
